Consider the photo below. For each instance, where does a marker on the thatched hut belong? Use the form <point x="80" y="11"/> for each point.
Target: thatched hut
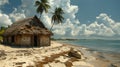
<point x="27" y="32"/>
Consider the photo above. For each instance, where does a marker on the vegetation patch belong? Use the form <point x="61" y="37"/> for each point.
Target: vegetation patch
<point x="52" y="58"/>
<point x="2" y="29"/>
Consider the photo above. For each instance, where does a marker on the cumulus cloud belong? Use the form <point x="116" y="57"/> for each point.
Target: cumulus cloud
<point x="5" y="20"/>
<point x="30" y="10"/>
<point x="28" y="6"/>
<point x="109" y="23"/>
<point x="2" y="2"/>
<point x="15" y="16"/>
<point x="26" y="9"/>
<point x="103" y="26"/>
<point x="100" y="29"/>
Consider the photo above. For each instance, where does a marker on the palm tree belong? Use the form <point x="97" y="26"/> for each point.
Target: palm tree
<point x="57" y="16"/>
<point x="42" y="6"/>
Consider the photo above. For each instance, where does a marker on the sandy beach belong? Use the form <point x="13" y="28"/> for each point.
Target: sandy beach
<point x="56" y="55"/>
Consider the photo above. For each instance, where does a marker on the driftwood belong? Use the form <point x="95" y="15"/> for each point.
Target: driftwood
<point x="74" y="53"/>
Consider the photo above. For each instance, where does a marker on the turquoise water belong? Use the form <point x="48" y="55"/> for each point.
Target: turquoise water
<point x="99" y="45"/>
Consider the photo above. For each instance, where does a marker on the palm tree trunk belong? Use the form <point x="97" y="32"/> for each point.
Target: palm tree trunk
<point x="52" y="26"/>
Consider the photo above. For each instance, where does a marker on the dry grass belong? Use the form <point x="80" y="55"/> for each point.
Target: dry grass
<point x="39" y="64"/>
<point x="52" y="58"/>
<point x="30" y="66"/>
<point x="56" y="61"/>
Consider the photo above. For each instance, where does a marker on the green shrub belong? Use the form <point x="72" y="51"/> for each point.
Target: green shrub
<point x="1" y="33"/>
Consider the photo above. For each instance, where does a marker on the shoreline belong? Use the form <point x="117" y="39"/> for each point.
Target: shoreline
<point x="111" y="46"/>
<point x="112" y="57"/>
<point x="56" y="55"/>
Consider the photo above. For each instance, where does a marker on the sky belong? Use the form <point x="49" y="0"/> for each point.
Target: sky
<point x="89" y="9"/>
<point x="98" y="19"/>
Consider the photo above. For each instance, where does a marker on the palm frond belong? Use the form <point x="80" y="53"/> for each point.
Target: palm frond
<point x="42" y="6"/>
<point x="44" y="1"/>
<point x="37" y="3"/>
<point x="57" y="15"/>
<point x="46" y="7"/>
<point x="60" y="10"/>
<point x="40" y="10"/>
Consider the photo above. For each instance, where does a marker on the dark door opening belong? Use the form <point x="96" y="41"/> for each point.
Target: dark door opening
<point x="12" y="40"/>
<point x="35" y="40"/>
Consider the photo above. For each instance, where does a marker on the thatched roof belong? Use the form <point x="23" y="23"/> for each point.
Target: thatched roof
<point x="27" y="26"/>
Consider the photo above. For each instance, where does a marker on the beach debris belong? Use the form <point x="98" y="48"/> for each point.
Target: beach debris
<point x="18" y="64"/>
<point x="112" y="65"/>
<point x="2" y="53"/>
<point x="55" y="56"/>
<point x="68" y="64"/>
<point x="23" y="53"/>
<point x="74" y="53"/>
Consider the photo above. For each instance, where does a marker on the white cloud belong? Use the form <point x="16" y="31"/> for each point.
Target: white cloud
<point x="28" y="6"/>
<point x="108" y="22"/>
<point x="5" y="20"/>
<point x="116" y="28"/>
<point x="15" y="16"/>
<point x="26" y="9"/>
<point x="2" y="2"/>
<point x="104" y="26"/>
<point x="105" y="19"/>
<point x="29" y="9"/>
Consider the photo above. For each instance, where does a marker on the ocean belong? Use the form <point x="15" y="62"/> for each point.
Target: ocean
<point x="96" y="44"/>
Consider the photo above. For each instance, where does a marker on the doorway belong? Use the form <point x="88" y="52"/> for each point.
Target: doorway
<point x="12" y="39"/>
<point x="35" y="40"/>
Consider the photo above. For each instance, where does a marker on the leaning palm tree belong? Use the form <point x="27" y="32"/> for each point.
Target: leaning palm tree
<point x="57" y="16"/>
<point x="42" y="6"/>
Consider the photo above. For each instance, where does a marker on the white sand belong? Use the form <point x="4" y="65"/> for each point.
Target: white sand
<point x="56" y="54"/>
